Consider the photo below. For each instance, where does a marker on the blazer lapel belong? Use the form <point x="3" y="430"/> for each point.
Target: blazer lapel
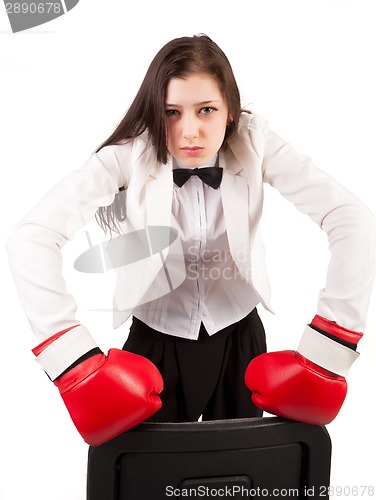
<point x="235" y="200"/>
<point x="158" y="194"/>
<point x="149" y="194"/>
<point x="142" y="161"/>
<point x="149" y="200"/>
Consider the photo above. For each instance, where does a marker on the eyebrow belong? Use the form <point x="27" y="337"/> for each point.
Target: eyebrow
<point x="202" y="103"/>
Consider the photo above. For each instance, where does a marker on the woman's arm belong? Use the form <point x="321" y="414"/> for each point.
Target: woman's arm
<point x="348" y="224"/>
<point x="34" y="246"/>
<point x="309" y="384"/>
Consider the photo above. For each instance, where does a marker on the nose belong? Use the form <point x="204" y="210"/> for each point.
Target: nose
<point x="190" y="128"/>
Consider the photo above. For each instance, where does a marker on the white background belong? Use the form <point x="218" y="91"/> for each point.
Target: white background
<point x="307" y="66"/>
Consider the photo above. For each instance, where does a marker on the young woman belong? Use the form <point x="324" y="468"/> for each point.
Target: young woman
<point x="191" y="160"/>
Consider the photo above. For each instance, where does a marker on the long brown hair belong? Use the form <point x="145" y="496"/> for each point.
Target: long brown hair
<point x="179" y="58"/>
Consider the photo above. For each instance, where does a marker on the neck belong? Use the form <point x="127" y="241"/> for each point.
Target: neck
<point x="211" y="163"/>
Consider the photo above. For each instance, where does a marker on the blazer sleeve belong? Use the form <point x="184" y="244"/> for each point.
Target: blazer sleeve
<point x="34" y="246"/>
<point x="349" y="225"/>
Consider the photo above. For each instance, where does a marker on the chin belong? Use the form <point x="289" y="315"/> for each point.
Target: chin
<point x="193" y="162"/>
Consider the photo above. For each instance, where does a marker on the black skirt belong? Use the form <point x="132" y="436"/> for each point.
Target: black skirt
<point x="205" y="376"/>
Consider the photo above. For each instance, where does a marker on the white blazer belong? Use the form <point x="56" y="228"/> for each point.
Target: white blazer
<point x="255" y="155"/>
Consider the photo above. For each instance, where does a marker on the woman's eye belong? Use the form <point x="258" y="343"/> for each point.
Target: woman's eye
<point x="208" y="110"/>
<point x="171" y="112"/>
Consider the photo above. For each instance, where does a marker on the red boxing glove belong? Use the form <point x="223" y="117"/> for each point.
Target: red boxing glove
<point x="104" y="395"/>
<point x="309" y="384"/>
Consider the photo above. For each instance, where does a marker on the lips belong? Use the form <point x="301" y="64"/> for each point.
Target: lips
<point x="192" y="150"/>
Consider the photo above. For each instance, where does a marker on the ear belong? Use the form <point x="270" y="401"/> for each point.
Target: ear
<point x="230" y="119"/>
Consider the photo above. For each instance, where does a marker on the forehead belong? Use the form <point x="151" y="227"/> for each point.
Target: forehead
<point x="195" y="88"/>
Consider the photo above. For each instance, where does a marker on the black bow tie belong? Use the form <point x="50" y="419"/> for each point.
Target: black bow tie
<point x="212" y="176"/>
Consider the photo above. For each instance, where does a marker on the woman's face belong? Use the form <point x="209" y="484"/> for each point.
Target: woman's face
<point x="196" y="119"/>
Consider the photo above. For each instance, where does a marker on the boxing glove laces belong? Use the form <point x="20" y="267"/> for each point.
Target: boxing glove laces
<point x="104" y="395"/>
<point x="308" y="384"/>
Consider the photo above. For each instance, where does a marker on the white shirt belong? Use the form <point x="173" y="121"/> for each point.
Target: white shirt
<point x="213" y="292"/>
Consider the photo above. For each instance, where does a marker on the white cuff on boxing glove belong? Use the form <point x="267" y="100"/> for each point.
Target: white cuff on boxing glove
<point x="326" y="353"/>
<point x="65" y="350"/>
